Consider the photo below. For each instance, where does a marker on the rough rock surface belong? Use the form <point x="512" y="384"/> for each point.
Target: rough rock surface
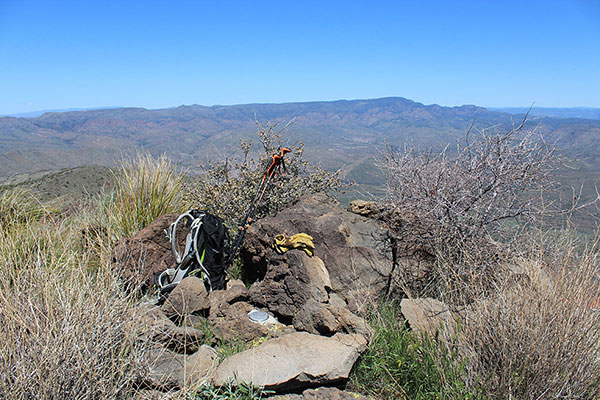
<point x="166" y="369"/>
<point x="145" y="253"/>
<point x="231" y="321"/>
<point x="236" y="291"/>
<point x="426" y="315"/>
<point x="200" y="366"/>
<point x="294" y="361"/>
<point x="163" y="330"/>
<point x="324" y="393"/>
<point x="365" y="208"/>
<point x="331" y="394"/>
<point x="170" y="370"/>
<point x="189" y="297"/>
<point x="350" y="245"/>
<point x="290" y="280"/>
<point x="328" y="319"/>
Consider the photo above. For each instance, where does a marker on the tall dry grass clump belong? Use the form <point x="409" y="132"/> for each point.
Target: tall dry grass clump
<point x="67" y="331"/>
<point x="145" y="188"/>
<point x="537" y="336"/>
<point x="18" y="206"/>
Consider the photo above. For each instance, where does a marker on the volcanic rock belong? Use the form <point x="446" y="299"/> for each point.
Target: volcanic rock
<point x="147" y="252"/>
<point x="351" y="246"/>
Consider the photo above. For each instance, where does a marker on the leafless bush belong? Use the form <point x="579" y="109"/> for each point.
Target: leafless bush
<point x="455" y="207"/>
<point x="227" y="187"/>
<point x="538" y="335"/>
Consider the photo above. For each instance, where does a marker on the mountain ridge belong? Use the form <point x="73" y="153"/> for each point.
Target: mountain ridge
<point x="336" y="133"/>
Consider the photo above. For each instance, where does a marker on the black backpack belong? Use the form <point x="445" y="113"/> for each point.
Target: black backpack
<point x="206" y="252"/>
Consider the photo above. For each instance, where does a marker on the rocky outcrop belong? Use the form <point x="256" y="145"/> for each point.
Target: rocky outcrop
<point x="294" y="361"/>
<point x="351" y="246"/>
<point x="312" y="336"/>
<point x="139" y="257"/>
<point x="290" y="280"/>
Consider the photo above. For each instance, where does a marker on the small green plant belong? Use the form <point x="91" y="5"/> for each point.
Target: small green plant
<point x="231" y="347"/>
<point x="230" y="391"/>
<point x="204" y="326"/>
<point x="400" y="364"/>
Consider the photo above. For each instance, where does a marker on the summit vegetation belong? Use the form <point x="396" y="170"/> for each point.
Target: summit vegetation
<point x="524" y="295"/>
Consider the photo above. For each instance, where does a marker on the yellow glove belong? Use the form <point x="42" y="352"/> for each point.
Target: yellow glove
<point x="300" y="241"/>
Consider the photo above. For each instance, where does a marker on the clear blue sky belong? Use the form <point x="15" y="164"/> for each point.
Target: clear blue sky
<point x="60" y="54"/>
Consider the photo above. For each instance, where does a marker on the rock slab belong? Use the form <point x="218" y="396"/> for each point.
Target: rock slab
<point x="189" y="297"/>
<point x="291" y="280"/>
<point x="324" y="393"/>
<point x="147" y="252"/>
<point x="294" y="361"/>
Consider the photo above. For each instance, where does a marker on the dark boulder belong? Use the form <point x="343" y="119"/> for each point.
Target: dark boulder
<point x="291" y="279"/>
<point x="138" y="258"/>
<point x="352" y="246"/>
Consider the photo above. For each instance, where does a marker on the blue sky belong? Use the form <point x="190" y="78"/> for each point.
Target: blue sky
<point x="154" y="54"/>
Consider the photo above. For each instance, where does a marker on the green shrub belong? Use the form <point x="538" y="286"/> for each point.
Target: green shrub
<point x="401" y="364"/>
<point x="227" y="187"/>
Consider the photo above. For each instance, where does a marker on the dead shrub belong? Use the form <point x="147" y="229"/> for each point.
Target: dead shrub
<point x="457" y="207"/>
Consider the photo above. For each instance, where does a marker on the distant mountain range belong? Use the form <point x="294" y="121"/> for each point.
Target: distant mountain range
<point x="560" y="112"/>
<point x="32" y="114"/>
<point x="339" y="134"/>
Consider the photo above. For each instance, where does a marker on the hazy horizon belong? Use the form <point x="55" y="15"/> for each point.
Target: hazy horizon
<point x="35" y="113"/>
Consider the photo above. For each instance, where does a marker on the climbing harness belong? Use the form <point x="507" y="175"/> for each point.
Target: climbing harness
<point x="300" y="241"/>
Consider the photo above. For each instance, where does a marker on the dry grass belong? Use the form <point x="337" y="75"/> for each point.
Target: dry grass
<point x="18" y="206"/>
<point x="67" y="329"/>
<point x="537" y="336"/>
